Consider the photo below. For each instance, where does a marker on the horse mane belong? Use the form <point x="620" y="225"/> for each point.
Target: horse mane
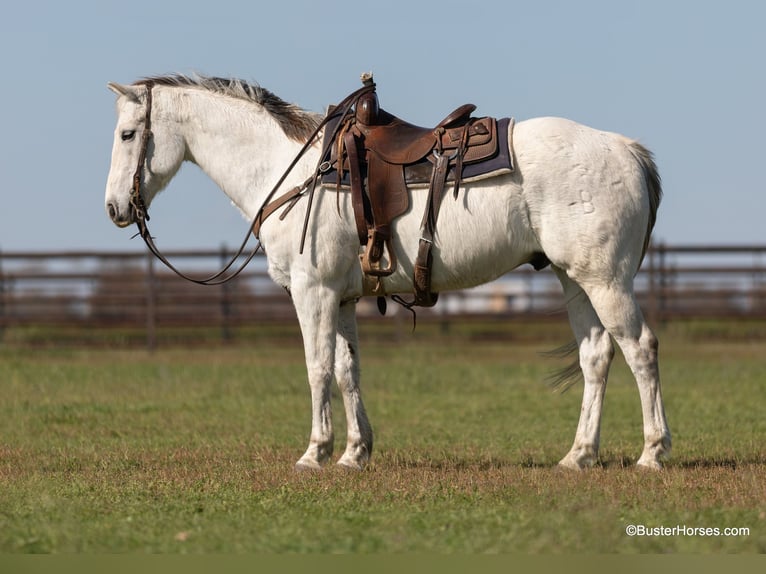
<point x="297" y="123"/>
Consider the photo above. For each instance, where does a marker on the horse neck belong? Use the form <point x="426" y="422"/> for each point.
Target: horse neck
<point x="241" y="147"/>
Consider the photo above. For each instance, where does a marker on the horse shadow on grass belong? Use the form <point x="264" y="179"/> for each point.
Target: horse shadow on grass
<point x="489" y="463"/>
<point x="732" y="463"/>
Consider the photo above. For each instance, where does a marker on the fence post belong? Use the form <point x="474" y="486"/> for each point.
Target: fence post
<point x="2" y="298"/>
<point x="652" y="311"/>
<point x="225" y="300"/>
<point x="151" y="303"/>
<point x="757" y="289"/>
<point x="663" y="282"/>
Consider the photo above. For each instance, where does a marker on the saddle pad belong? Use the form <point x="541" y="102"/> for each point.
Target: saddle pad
<point x="419" y="174"/>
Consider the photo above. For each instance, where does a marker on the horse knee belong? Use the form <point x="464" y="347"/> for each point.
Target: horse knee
<point x="319" y="375"/>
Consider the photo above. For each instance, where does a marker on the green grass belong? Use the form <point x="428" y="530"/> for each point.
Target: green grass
<point x="191" y="451"/>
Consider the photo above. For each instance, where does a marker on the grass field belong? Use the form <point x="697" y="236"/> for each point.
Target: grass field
<point x="192" y="450"/>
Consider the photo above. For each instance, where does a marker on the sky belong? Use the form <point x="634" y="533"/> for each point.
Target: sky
<point x="687" y="79"/>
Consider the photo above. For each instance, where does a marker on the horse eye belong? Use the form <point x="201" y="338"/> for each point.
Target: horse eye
<point x="128" y="135"/>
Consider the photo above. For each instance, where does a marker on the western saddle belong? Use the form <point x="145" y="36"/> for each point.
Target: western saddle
<point x="378" y="155"/>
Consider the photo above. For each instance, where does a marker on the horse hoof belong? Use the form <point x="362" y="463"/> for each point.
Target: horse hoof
<point x="578" y="463"/>
<point x="649" y="465"/>
<point x="307" y="466"/>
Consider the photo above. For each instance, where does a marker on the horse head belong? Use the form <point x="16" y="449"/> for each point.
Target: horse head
<point x="152" y="156"/>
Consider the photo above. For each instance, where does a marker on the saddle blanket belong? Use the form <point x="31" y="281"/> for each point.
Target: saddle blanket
<point x="419" y="174"/>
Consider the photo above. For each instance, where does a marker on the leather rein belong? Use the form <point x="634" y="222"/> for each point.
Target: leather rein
<point x="269" y="205"/>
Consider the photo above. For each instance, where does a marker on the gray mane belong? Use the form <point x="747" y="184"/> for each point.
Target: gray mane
<point x="297" y="123"/>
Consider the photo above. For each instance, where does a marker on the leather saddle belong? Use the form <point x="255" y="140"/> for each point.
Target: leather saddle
<point x="378" y="156"/>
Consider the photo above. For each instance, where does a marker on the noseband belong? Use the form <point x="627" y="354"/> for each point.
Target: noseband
<point x="142" y="213"/>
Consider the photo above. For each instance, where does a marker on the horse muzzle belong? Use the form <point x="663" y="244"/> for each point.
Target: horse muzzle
<point x="120" y="218"/>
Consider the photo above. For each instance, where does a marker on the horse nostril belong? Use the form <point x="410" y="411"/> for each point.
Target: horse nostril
<point x="111" y="210"/>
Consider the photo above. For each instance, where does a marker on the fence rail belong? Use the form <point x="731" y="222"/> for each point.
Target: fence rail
<point x="105" y="290"/>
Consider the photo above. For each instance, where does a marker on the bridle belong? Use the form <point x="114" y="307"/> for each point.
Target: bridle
<point x="141" y="213"/>
<point x="136" y="199"/>
<point x="269" y="205"/>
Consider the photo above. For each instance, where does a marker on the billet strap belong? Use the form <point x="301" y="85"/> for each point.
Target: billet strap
<point x="424" y="260"/>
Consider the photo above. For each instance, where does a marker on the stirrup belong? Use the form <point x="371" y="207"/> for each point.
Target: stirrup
<point x="377" y="244"/>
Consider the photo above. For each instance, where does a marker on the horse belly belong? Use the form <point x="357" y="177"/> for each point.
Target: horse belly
<point x="479" y="236"/>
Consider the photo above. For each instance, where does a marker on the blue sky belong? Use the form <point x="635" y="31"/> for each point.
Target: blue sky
<point x="685" y="78"/>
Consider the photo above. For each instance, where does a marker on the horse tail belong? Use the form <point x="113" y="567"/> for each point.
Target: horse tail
<point x="651" y="175"/>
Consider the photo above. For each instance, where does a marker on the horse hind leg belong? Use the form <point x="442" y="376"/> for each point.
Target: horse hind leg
<point x="619" y="312"/>
<point x="359" y="434"/>
<point x="595" y="357"/>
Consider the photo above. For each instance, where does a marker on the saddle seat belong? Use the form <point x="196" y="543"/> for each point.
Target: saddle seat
<point x="402" y="143"/>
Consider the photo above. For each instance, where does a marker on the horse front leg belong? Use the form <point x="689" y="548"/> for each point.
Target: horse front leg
<point x="359" y="440"/>
<point x="317" y="310"/>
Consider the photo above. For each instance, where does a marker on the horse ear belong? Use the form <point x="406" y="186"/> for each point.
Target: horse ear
<point x="121" y="90"/>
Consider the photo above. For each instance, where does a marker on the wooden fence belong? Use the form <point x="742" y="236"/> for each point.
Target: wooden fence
<point x="113" y="290"/>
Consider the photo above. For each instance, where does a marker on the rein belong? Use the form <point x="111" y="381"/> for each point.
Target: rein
<point x="267" y="207"/>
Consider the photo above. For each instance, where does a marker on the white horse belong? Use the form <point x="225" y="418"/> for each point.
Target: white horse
<point x="584" y="199"/>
